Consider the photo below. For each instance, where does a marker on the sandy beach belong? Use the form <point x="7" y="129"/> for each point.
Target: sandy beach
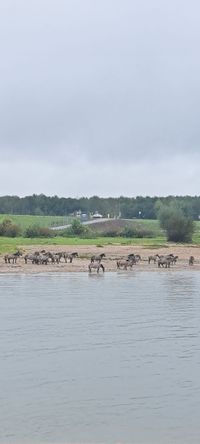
<point x="112" y="254"/>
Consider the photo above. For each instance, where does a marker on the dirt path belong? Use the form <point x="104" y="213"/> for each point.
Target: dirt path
<point x="113" y="253"/>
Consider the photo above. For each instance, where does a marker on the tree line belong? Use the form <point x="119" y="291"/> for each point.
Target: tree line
<point x="125" y="207"/>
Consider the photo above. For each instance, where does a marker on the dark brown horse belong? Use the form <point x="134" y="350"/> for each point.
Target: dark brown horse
<point x="97" y="258"/>
<point x="191" y="260"/>
<point x="96" y="266"/>
<point x="12" y="257"/>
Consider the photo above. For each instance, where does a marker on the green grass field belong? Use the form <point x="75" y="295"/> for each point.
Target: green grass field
<point x="8" y="244"/>
<point x="12" y="244"/>
<point x="26" y="221"/>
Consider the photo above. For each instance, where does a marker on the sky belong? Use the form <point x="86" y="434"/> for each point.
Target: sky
<point x="99" y="97"/>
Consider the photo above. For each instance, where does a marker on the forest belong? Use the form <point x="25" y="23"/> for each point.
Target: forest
<point x="124" y="207"/>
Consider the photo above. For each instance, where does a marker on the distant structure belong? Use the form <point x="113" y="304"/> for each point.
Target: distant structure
<point x="97" y="215"/>
<point x="84" y="217"/>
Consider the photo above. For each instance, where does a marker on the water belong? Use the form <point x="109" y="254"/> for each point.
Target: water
<point x="91" y="359"/>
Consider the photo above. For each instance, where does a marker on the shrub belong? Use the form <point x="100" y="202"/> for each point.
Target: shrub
<point x="9" y="229"/>
<point x="77" y="228"/>
<point x="36" y="231"/>
<point x="111" y="233"/>
<point x="136" y="232"/>
<point x="178" y="227"/>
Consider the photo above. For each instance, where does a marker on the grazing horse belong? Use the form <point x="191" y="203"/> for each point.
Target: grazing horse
<point x="164" y="261"/>
<point x="174" y="259"/>
<point x="13" y="257"/>
<point x="31" y="257"/>
<point x="96" y="266"/>
<point x="153" y="258"/>
<point x="191" y="260"/>
<point x="125" y="263"/>
<point x="137" y="258"/>
<point x="70" y="256"/>
<point x="97" y="258"/>
<point x="134" y="257"/>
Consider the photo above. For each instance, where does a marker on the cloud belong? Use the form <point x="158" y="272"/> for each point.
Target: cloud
<point x="102" y="84"/>
<point x="81" y="178"/>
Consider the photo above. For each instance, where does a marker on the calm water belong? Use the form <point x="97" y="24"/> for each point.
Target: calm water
<point x="91" y="359"/>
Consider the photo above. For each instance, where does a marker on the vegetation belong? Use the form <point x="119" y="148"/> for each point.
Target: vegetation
<point x="126" y="207"/>
<point x="20" y="243"/>
<point x="27" y="231"/>
<point x="178" y="227"/>
<point x="35" y="231"/>
<point x="25" y="221"/>
<point x="8" y="228"/>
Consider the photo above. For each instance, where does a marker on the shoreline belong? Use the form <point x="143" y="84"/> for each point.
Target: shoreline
<point x="112" y="254"/>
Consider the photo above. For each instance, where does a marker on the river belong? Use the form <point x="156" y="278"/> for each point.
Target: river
<point x="100" y="359"/>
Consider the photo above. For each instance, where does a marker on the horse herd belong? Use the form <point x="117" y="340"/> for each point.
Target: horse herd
<point x="44" y="257"/>
<point x="132" y="259"/>
<point x="41" y="257"/>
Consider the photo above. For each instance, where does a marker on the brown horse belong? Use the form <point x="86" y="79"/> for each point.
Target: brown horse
<point x="96" y="266"/>
<point x="13" y="257"/>
<point x="125" y="263"/>
<point x="97" y="258"/>
<point x="191" y="260"/>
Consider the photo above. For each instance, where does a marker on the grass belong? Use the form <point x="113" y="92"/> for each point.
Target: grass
<point x="12" y="244"/>
<point x="8" y="244"/>
<point x="26" y="221"/>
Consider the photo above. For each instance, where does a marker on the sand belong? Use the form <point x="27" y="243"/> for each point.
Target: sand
<point x="113" y="253"/>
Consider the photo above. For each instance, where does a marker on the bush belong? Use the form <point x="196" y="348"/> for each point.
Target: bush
<point x="111" y="233"/>
<point x="77" y="228"/>
<point x="178" y="227"/>
<point x="9" y="229"/>
<point x="36" y="231"/>
<point x="136" y="232"/>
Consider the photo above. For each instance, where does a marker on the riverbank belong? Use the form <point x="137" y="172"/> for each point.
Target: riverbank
<point x="112" y="254"/>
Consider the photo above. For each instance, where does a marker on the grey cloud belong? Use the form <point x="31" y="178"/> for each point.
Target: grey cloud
<point x="106" y="83"/>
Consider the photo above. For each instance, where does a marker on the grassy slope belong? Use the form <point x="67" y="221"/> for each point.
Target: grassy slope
<point x="43" y="221"/>
<point x="12" y="244"/>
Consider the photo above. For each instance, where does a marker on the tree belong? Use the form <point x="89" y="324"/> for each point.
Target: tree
<point x="9" y="229"/>
<point x="178" y="227"/>
<point x="77" y="228"/>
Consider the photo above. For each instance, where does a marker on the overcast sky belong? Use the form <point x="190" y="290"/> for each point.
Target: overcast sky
<point x="99" y="97"/>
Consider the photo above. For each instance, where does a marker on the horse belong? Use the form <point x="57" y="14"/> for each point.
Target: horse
<point x="191" y="260"/>
<point x="12" y="256"/>
<point x="97" y="258"/>
<point x="134" y="257"/>
<point x="164" y="261"/>
<point x="171" y="258"/>
<point x="153" y="258"/>
<point x="125" y="263"/>
<point x="96" y="266"/>
<point x="31" y="257"/>
<point x="70" y="256"/>
<point x="174" y="259"/>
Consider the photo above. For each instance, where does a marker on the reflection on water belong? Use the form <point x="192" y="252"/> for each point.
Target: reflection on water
<point x="108" y="359"/>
